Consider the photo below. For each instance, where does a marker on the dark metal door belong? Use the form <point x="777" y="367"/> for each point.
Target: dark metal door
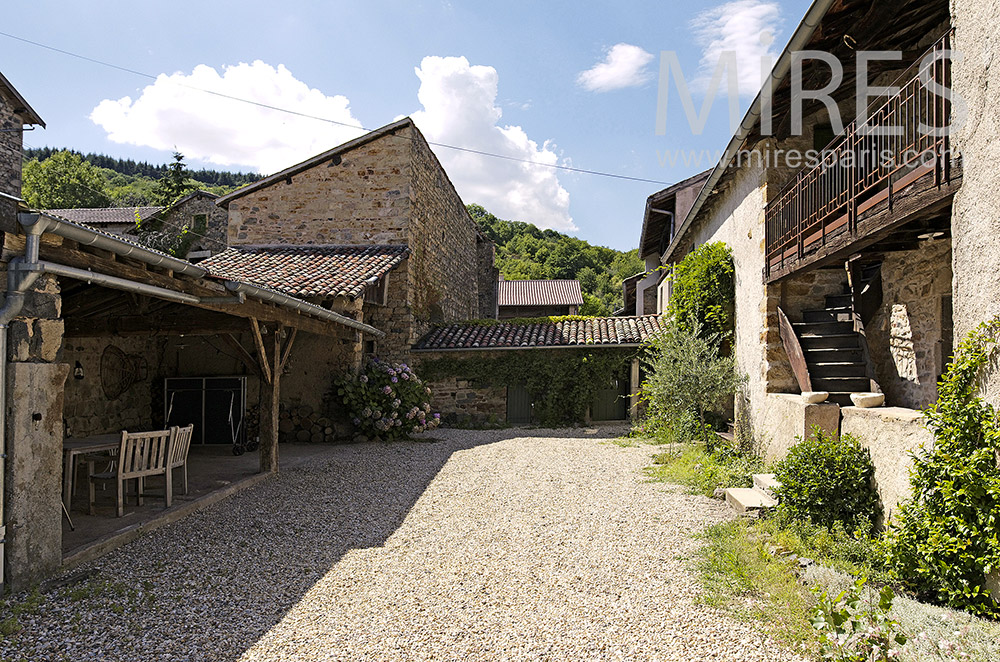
<point x="518" y="405"/>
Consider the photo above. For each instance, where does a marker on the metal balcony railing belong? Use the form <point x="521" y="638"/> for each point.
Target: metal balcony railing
<point x="903" y="138"/>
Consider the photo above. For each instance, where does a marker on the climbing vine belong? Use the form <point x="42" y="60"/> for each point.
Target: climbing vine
<point x="562" y="383"/>
<point x="946" y="539"/>
<point x="704" y="289"/>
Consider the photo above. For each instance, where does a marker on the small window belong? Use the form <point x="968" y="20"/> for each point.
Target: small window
<point x="370" y="347"/>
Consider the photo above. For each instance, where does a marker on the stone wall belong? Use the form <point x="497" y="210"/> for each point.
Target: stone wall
<point x="10" y="163"/>
<point x="489" y="275"/>
<point x="976" y="248"/>
<point x="890" y="434"/>
<point x="462" y="402"/>
<point x="217" y="219"/>
<point x="445" y="265"/>
<point x="359" y="197"/>
<point x="786" y="418"/>
<point x="88" y="411"/>
<point x="394" y="318"/>
<point x="316" y="361"/>
<point x="808" y="291"/>
<point x="905" y="334"/>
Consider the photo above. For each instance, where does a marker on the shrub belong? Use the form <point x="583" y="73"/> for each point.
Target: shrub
<point x="947" y="538"/>
<point x="704" y="289"/>
<point x="855" y="628"/>
<point x="687" y="374"/>
<point x="387" y="400"/>
<point x="826" y="480"/>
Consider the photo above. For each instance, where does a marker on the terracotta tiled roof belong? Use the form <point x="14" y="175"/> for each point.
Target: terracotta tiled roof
<point x="608" y="331"/>
<point x="540" y="293"/>
<point x="306" y="271"/>
<point x="104" y="215"/>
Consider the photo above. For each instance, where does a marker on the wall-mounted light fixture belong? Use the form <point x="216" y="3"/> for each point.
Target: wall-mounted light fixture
<point x="78" y="371"/>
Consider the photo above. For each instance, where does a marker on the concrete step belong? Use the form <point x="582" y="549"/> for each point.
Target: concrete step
<point x="766" y="483"/>
<point x="805" y="329"/>
<point x="837" y="369"/>
<point x="831" y="341"/>
<point x="747" y="499"/>
<point x="828" y="315"/>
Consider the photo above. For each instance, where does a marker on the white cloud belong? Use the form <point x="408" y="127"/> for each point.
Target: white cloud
<point x="624" y="65"/>
<point x="171" y="114"/>
<point x="459" y="108"/>
<point x="745" y="28"/>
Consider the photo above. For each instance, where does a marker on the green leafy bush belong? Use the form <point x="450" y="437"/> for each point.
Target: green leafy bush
<point x="685" y="373"/>
<point x="854" y="627"/>
<point x="704" y="289"/>
<point x="703" y="472"/>
<point x="947" y="538"/>
<point x="825" y="480"/>
<point x="387" y="400"/>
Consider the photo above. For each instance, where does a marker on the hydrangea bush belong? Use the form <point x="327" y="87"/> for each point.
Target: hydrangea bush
<point x="387" y="400"/>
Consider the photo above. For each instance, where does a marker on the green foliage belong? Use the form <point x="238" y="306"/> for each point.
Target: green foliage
<point x="738" y="574"/>
<point x="704" y="289"/>
<point x="387" y="400"/>
<point x="525" y="252"/>
<point x="174" y="184"/>
<point x="703" y="472"/>
<point x="562" y="383"/>
<point x="947" y="538"/>
<point x="176" y="241"/>
<point x="63" y="181"/>
<point x="686" y="373"/>
<point x="854" y="627"/>
<point x="825" y="480"/>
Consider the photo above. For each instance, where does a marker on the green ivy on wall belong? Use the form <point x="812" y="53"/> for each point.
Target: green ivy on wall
<point x="704" y="289"/>
<point x="562" y="382"/>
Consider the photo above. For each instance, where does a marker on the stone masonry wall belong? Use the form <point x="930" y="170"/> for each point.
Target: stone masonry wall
<point x="444" y="268"/>
<point x="394" y="317"/>
<point x="976" y="249"/>
<point x="360" y="197"/>
<point x="215" y="235"/>
<point x="460" y="400"/>
<point x="904" y="336"/>
<point x="10" y="162"/>
<point x="489" y="275"/>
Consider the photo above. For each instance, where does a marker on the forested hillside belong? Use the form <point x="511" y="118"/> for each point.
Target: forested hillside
<point x="524" y="252"/>
<point x="64" y="179"/>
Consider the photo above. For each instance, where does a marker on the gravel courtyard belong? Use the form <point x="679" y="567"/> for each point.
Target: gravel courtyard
<point x="484" y="545"/>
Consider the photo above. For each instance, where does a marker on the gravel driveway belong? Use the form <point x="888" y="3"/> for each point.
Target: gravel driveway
<point x="486" y="545"/>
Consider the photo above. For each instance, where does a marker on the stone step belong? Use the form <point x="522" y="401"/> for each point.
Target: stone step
<point x="747" y="499"/>
<point x="766" y="483"/>
<point x="843" y="399"/>
<point x="828" y="315"/>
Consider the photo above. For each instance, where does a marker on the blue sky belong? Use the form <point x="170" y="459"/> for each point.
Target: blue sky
<point x="504" y="77"/>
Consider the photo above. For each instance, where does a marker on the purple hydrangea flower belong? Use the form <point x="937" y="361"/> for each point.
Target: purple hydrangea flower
<point x="363" y="379"/>
<point x="395" y="379"/>
<point x="387" y="390"/>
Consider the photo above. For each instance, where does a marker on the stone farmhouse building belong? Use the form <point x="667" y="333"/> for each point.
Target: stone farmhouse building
<point x="539" y="298"/>
<point x="855" y="275"/>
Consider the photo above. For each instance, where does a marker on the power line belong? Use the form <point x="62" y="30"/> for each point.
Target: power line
<point x="296" y="113"/>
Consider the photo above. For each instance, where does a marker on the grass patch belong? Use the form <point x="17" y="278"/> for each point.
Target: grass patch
<point x="702" y="472"/>
<point x="11" y="624"/>
<point x="741" y="577"/>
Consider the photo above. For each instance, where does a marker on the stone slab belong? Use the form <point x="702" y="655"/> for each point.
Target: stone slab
<point x="746" y="499"/>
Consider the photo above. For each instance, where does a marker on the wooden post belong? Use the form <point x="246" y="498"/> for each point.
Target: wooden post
<point x="270" y="398"/>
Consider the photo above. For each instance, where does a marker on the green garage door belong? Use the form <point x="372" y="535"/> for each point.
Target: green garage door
<point x="518" y="405"/>
<point x="611" y="403"/>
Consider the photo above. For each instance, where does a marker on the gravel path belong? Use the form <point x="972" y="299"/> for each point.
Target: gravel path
<point x="482" y="546"/>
